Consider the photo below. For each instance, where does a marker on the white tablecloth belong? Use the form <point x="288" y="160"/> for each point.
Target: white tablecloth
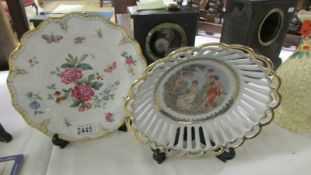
<point x="275" y="151"/>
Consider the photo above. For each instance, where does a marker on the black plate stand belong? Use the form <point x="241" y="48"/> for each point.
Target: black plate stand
<point x="228" y="154"/>
<point x="63" y="143"/>
<point x="59" y="142"/>
<point x="123" y="128"/>
<point x="5" y="136"/>
<point x="160" y="156"/>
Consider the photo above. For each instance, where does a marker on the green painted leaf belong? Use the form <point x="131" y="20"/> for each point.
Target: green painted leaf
<point x="37" y="97"/>
<point x="71" y="59"/>
<point x="75" y="104"/>
<point x="66" y="65"/>
<point x="68" y="60"/>
<point x="91" y="77"/>
<point x="82" y="58"/>
<point x="84" y="81"/>
<point x="96" y="85"/>
<point x="75" y="60"/>
<point x="53" y="72"/>
<point x="78" y="82"/>
<point x="124" y="54"/>
<point x="84" y="66"/>
<point x="70" y="56"/>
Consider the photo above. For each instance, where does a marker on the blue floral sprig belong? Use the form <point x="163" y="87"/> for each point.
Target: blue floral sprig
<point x="35" y="102"/>
<point x="109" y="92"/>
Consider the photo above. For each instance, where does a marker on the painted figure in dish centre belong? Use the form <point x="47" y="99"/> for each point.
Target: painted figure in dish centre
<point x="186" y="101"/>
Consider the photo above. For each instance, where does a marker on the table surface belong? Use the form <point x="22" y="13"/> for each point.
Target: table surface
<point x="274" y="151"/>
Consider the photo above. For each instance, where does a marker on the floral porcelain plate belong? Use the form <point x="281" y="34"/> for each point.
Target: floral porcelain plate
<point x="203" y="100"/>
<point x="71" y="76"/>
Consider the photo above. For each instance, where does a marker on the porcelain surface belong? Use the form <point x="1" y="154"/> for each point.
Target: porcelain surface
<point x="202" y="100"/>
<point x="71" y="75"/>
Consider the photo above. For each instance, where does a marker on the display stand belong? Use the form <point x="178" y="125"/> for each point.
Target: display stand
<point x="63" y="143"/>
<point x="228" y="154"/>
<point x="59" y="142"/>
<point x="5" y="136"/>
<point x="159" y="156"/>
<point x="123" y="128"/>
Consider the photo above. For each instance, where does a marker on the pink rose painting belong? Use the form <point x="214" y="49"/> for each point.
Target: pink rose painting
<point x="81" y="85"/>
<point x="109" y="117"/>
<point x="70" y="75"/>
<point x="83" y="92"/>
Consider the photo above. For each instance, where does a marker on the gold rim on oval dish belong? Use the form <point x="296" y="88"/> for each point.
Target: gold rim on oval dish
<point x="265" y="65"/>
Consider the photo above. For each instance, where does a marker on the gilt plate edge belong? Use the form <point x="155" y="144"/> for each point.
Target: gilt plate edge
<point x="13" y="71"/>
<point x="262" y="60"/>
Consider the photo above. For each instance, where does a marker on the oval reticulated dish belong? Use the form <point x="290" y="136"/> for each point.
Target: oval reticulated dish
<point x="71" y="75"/>
<point x="203" y="100"/>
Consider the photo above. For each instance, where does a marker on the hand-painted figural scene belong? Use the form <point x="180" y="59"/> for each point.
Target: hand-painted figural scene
<point x="196" y="89"/>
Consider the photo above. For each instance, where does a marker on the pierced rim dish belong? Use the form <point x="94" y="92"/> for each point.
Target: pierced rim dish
<point x="202" y="100"/>
<point x="70" y="76"/>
